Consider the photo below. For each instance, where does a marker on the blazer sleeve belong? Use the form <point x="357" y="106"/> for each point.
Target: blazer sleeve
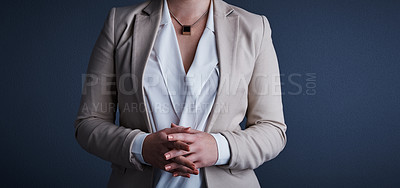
<point x="95" y="128"/>
<point x="264" y="137"/>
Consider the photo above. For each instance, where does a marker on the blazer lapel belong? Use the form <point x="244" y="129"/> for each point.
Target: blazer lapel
<point x="144" y="34"/>
<point x="226" y="33"/>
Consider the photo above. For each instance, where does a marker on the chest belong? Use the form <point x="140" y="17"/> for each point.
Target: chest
<point x="188" y="43"/>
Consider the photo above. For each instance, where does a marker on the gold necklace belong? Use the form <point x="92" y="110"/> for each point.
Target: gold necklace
<point x="186" y="29"/>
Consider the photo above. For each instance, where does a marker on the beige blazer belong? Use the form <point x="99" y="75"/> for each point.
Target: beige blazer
<point x="249" y="86"/>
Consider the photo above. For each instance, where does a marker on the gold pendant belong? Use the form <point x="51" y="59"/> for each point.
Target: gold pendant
<point x="186" y="30"/>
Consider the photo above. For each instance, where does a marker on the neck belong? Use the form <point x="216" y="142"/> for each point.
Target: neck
<point x="188" y="10"/>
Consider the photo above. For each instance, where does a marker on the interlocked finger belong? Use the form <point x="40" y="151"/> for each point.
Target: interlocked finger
<point x="183" y="174"/>
<point x="184" y="161"/>
<point x="185" y="137"/>
<point x="179" y="145"/>
<point x="175" y="153"/>
<point x="174" y="167"/>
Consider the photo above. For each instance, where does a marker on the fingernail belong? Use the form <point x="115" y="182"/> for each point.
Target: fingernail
<point x="167" y="167"/>
<point x="170" y="137"/>
<point x="175" y="174"/>
<point x="167" y="156"/>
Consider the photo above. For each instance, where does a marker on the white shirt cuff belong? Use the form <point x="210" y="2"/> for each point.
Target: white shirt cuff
<point x="224" y="153"/>
<point x="137" y="146"/>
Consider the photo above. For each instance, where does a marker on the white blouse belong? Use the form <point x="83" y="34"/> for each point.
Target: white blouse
<point x="172" y="96"/>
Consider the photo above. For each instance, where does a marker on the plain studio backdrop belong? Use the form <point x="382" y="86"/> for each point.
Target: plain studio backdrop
<point x="339" y="61"/>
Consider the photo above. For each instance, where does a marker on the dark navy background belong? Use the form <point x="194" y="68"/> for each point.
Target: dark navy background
<point x="339" y="61"/>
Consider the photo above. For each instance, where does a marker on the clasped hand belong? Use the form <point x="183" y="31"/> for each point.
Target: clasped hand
<point x="179" y="150"/>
